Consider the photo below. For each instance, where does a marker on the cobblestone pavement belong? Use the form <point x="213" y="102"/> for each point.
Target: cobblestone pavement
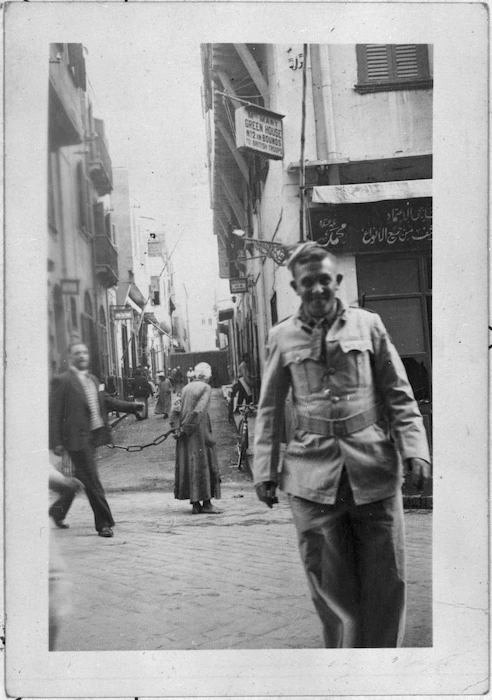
<point x="171" y="580"/>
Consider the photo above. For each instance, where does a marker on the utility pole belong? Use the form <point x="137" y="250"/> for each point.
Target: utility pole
<point x="302" y="171"/>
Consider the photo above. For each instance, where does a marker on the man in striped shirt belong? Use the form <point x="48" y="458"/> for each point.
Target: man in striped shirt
<point x="78" y="424"/>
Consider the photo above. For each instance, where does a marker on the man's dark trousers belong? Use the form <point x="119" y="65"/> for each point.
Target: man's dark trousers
<point x="85" y="470"/>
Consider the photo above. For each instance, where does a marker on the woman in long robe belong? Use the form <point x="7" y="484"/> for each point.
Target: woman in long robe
<point x="163" y="404"/>
<point x="197" y="474"/>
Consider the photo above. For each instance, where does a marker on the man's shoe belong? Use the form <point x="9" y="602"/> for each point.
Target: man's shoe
<point x="106" y="532"/>
<point x="211" y="509"/>
<point x="61" y="524"/>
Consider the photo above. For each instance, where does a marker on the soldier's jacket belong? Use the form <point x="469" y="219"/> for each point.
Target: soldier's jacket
<point x="358" y="373"/>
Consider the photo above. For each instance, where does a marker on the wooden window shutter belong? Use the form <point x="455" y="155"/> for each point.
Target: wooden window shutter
<point x="81" y="197"/>
<point x="410" y="62"/>
<point x="99" y="223"/>
<point x="392" y="66"/>
<point x="377" y="63"/>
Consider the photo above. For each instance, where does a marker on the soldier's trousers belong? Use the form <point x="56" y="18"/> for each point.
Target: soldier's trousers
<point x="354" y="557"/>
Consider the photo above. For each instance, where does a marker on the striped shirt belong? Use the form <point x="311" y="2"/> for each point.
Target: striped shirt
<point x="91" y="394"/>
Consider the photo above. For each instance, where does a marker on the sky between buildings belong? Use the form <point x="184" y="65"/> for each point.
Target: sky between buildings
<point x="148" y="94"/>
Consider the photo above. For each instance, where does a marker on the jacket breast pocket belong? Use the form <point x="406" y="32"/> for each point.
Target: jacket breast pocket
<point x="307" y="373"/>
<point x="356" y="361"/>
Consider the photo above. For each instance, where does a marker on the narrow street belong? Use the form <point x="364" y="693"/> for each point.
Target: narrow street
<point x="170" y="580"/>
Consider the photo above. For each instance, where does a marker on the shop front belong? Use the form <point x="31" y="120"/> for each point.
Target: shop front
<point x="391" y="241"/>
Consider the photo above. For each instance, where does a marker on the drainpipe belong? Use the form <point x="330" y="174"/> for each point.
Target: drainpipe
<point x="326" y="143"/>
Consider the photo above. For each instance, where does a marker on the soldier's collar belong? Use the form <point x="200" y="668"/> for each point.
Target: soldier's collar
<point x="308" y="323"/>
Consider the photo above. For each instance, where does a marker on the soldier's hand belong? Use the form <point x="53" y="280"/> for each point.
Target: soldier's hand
<point x="417" y="472"/>
<point x="266" y="492"/>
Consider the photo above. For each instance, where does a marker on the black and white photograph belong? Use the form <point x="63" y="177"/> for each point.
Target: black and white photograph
<point x="246" y="333"/>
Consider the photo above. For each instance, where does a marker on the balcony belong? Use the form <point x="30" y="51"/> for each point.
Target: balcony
<point x="106" y="261"/>
<point x="66" y="127"/>
<point x="100" y="168"/>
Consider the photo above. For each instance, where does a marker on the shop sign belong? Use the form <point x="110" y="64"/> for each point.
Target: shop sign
<point x="260" y="131"/>
<point x="121" y="313"/>
<point x="238" y="285"/>
<point x="69" y="287"/>
<point x="399" y="225"/>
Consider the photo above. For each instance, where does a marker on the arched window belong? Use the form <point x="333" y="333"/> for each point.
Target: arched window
<point x="73" y="313"/>
<point x="88" y="304"/>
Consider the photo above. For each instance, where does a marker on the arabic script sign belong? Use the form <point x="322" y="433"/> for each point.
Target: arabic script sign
<point x="378" y="226"/>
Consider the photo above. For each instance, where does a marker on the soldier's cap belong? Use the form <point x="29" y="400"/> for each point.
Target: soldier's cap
<point x="301" y="249"/>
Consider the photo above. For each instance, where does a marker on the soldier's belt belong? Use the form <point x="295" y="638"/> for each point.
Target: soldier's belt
<point x="341" y="426"/>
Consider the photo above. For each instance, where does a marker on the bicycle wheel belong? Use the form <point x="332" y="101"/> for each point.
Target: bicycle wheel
<point x="243" y="451"/>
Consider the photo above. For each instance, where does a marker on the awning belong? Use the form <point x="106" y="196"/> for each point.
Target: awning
<point x="371" y="192"/>
<point x="136" y="295"/>
<point x="149" y="317"/>
<point x="129" y="293"/>
<point x="226" y="314"/>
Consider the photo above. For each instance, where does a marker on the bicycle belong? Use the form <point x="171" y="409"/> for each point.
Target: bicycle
<point x="243" y="442"/>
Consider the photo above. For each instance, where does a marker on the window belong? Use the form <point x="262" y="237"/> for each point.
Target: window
<point x="73" y="313"/>
<point x="81" y="197"/>
<point x="383" y="67"/>
<point x="102" y="337"/>
<point x="155" y="294"/>
<point x="76" y="62"/>
<point x="107" y="225"/>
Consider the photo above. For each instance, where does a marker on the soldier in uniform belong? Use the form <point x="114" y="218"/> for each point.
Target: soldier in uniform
<point x="358" y="428"/>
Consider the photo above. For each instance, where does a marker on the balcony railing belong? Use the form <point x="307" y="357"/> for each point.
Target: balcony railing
<point x="106" y="261"/>
<point x="100" y="166"/>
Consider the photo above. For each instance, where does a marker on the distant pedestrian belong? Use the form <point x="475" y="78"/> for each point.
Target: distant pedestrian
<point x="111" y="386"/>
<point x="78" y="423"/>
<point x="214" y="380"/>
<point x="190" y="375"/>
<point x="197" y="474"/>
<point x="112" y="389"/>
<point x="245" y="382"/>
<point x="163" y="405"/>
<point x="178" y="380"/>
<point x="141" y="391"/>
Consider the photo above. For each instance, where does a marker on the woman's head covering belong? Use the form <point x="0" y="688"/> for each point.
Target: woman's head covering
<point x="203" y="371"/>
